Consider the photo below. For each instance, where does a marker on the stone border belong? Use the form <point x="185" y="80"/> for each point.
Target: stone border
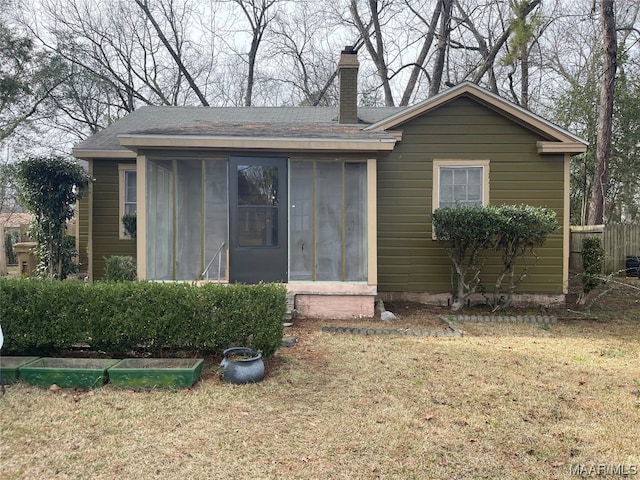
<point x="450" y="332"/>
<point x="541" y="319"/>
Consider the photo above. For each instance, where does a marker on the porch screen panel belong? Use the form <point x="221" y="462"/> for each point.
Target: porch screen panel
<point x="188" y="219"/>
<point x="160" y="228"/>
<point x="301" y="221"/>
<point x="328" y="226"/>
<point x="355" y="222"/>
<point x="216" y="214"/>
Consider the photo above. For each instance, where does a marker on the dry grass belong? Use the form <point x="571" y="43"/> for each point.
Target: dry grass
<point x="504" y="401"/>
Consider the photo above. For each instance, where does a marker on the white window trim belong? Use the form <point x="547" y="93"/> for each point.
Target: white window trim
<point x="122" y="168"/>
<point x="435" y="201"/>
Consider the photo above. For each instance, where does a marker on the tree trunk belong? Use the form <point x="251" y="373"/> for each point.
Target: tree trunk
<point x="418" y="68"/>
<point x="375" y="51"/>
<point x="605" y="114"/>
<point x="443" y="42"/>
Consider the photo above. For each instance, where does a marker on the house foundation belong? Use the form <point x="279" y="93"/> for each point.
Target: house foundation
<point x="332" y="300"/>
<point x="445" y="299"/>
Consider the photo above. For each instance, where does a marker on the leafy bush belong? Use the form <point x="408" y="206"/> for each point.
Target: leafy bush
<point x="120" y="268"/>
<point x="44" y="317"/>
<point x="592" y="259"/>
<point x="471" y="232"/>
<point x="521" y="228"/>
<point x="468" y="230"/>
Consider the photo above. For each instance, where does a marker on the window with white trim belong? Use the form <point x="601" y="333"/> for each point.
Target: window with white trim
<point x="128" y="192"/>
<point x="460" y="182"/>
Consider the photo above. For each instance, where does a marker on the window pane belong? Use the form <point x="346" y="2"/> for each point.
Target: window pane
<point x="130" y="186"/>
<point x="474" y="193"/>
<point x="446" y="176"/>
<point x="257" y="206"/>
<point x="129" y="194"/>
<point x="460" y="193"/>
<point x="446" y="196"/>
<point x="257" y="226"/>
<point x="460" y="185"/>
<point x="475" y="176"/>
<point x="257" y="185"/>
<point x="460" y="176"/>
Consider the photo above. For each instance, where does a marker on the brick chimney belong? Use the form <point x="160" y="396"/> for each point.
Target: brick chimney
<point x="348" y="85"/>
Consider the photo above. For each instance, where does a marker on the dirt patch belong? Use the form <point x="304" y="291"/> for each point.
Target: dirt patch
<point x="409" y="316"/>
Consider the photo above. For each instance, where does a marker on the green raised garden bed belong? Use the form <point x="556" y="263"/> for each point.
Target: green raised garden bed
<point x="67" y="372"/>
<point x="9" y="367"/>
<point x="145" y="373"/>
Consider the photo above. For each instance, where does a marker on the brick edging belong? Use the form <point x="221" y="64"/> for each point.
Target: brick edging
<point x="542" y="319"/>
<point x="451" y="332"/>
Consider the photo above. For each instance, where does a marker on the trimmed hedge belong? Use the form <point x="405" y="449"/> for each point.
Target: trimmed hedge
<point x="45" y="317"/>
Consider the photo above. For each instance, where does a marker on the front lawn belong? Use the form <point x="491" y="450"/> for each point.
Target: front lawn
<point x="504" y="401"/>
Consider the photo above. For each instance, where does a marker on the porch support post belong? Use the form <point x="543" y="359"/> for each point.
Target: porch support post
<point x="90" y="225"/>
<point x="372" y="223"/>
<point x="141" y="214"/>
<point x="566" y="224"/>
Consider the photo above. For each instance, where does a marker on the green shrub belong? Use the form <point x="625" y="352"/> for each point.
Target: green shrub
<point x="41" y="317"/>
<point x="120" y="268"/>
<point x="521" y="229"/>
<point x="592" y="259"/>
<point x="467" y="231"/>
<point x="470" y="233"/>
<point x="44" y="317"/>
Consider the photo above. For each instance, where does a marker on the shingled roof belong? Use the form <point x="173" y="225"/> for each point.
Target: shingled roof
<point x="298" y="128"/>
<point x="282" y="122"/>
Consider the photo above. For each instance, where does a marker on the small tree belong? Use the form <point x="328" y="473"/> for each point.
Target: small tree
<point x="467" y="231"/>
<point x="592" y="260"/>
<point x="49" y="189"/>
<point x="521" y="228"/>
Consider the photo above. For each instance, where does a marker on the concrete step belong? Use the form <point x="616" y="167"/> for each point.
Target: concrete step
<point x="291" y="305"/>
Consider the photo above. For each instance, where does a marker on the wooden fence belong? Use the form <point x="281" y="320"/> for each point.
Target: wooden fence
<point x="618" y="241"/>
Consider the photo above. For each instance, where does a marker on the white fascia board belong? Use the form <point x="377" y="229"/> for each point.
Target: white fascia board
<point x="134" y="141"/>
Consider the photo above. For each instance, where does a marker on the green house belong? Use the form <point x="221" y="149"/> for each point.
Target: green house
<point x="335" y="202"/>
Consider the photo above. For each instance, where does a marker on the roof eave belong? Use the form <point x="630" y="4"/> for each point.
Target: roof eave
<point x="572" y="148"/>
<point x="139" y="141"/>
<point x="88" y="154"/>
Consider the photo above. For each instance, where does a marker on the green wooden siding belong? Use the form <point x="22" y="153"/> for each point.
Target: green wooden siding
<point x="83" y="233"/>
<point x="408" y="258"/>
<point x="106" y="216"/>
